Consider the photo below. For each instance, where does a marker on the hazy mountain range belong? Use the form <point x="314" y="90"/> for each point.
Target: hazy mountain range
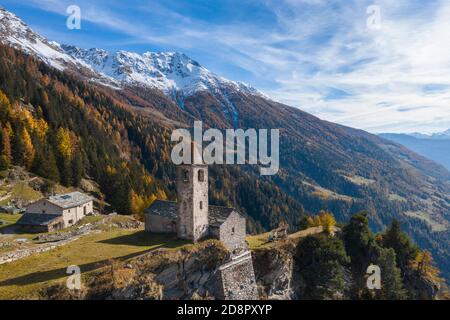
<point x="434" y="146"/>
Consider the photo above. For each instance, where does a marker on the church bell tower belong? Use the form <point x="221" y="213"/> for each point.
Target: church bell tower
<point x="192" y="190"/>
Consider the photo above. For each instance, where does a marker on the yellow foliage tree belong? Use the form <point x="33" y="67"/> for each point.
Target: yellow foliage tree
<point x="6" y="142"/>
<point x="161" y="194"/>
<point x="424" y="265"/>
<point x="140" y="203"/>
<point x="310" y="222"/>
<point x="5" y="106"/>
<point x="64" y="143"/>
<point x="317" y="221"/>
<point x="137" y="203"/>
<point x="41" y="128"/>
<point x="29" y="151"/>
<point x="327" y="221"/>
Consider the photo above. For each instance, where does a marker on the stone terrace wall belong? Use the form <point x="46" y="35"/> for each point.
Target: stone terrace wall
<point x="237" y="279"/>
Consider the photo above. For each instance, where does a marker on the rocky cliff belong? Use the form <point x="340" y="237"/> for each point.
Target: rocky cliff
<point x="274" y="271"/>
<point x="188" y="273"/>
<point x="192" y="273"/>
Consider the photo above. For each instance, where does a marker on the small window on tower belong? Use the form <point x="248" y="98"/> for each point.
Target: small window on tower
<point x="201" y="205"/>
<point x="201" y="175"/>
<point x="185" y="176"/>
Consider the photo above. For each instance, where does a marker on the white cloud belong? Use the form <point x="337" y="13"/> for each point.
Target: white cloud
<point x="316" y="51"/>
<point x="387" y="90"/>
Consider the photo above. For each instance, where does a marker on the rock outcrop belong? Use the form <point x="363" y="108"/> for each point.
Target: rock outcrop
<point x="188" y="273"/>
<point x="274" y="270"/>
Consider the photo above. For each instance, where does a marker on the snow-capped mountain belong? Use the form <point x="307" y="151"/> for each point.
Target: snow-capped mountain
<point x="17" y="34"/>
<point x="168" y="71"/>
<point x="445" y="135"/>
<point x="173" y="73"/>
<point x="442" y="135"/>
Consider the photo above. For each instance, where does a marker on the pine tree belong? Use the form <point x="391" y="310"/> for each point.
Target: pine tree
<point x="45" y="164"/>
<point x="77" y="168"/>
<point x="5" y="107"/>
<point x="362" y="248"/>
<point x="391" y="280"/>
<point x="405" y="249"/>
<point x="319" y="260"/>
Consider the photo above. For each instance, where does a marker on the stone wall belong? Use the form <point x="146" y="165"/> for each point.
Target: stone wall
<point x="158" y="224"/>
<point x="232" y="232"/>
<point x="44" y="206"/>
<point x="23" y="253"/>
<point x="237" y="279"/>
<point x="73" y="215"/>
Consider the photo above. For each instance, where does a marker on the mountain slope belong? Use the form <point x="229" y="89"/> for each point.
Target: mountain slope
<point x="323" y="165"/>
<point x="435" y="147"/>
<point x="173" y="73"/>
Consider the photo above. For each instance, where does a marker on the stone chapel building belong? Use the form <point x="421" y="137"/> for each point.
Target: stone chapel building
<point x="191" y="217"/>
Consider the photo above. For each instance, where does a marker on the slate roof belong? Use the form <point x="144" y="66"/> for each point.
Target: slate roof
<point x="168" y="209"/>
<point x="217" y="215"/>
<point x="70" y="200"/>
<point x="37" y="219"/>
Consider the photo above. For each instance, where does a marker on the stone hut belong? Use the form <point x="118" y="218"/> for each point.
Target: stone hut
<point x="56" y="212"/>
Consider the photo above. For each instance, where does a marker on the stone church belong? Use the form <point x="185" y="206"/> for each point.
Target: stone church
<point x="191" y="217"/>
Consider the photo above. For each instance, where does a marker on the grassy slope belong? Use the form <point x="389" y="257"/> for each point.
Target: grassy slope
<point x="24" y="278"/>
<point x="9" y="219"/>
<point x="19" y="190"/>
<point x="262" y="240"/>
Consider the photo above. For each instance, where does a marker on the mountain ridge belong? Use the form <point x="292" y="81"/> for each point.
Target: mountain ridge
<point x="173" y="73"/>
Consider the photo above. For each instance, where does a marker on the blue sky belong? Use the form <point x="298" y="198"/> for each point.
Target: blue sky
<point x="321" y="56"/>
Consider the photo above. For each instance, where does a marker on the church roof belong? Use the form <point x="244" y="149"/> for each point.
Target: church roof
<point x="163" y="208"/>
<point x="217" y="215"/>
<point x="168" y="209"/>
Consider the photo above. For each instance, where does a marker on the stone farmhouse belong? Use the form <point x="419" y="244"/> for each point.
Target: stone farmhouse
<point x="56" y="212"/>
<point x="191" y="217"/>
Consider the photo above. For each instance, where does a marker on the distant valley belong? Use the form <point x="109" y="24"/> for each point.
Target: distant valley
<point x="435" y="147"/>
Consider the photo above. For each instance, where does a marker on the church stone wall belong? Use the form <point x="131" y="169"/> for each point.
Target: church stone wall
<point x="158" y="224"/>
<point x="232" y="232"/>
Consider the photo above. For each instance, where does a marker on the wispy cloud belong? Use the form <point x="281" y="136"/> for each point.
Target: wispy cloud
<point x="311" y="54"/>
